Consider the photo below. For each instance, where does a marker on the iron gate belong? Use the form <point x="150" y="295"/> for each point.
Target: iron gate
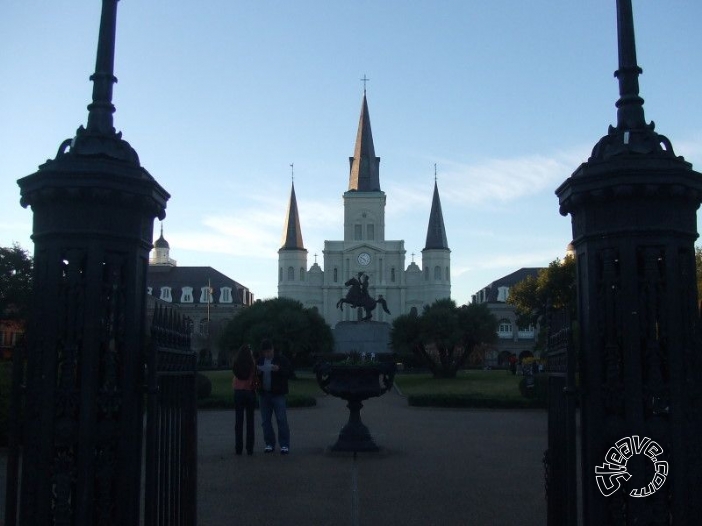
<point x="560" y="457"/>
<point x="170" y="496"/>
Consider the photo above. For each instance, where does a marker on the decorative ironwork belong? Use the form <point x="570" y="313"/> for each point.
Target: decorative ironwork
<point x="355" y="383"/>
<point x="171" y="425"/>
<point x="560" y="458"/>
<point x="93" y="207"/>
<point x="634" y="220"/>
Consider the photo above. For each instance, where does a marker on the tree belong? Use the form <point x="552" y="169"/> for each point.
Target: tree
<point x="444" y="335"/>
<point x="296" y="331"/>
<point x="15" y="282"/>
<point x="551" y="290"/>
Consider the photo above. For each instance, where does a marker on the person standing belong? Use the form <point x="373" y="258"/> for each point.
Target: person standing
<point x="274" y="369"/>
<point x="244" y="384"/>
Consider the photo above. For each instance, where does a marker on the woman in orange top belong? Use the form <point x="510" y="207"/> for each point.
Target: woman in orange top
<point x="244" y="385"/>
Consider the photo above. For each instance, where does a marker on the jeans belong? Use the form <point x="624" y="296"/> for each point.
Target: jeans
<point x="270" y="404"/>
<point x="244" y="403"/>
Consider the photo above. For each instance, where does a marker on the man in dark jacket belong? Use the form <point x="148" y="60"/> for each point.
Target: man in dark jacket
<point x="274" y="371"/>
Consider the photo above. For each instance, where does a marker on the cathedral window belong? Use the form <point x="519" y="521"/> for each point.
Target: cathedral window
<point x="186" y="295"/>
<point x="370" y="231"/>
<point x="302" y="273"/>
<point x="448" y="274"/>
<point x="280" y="274"/>
<point x="291" y="274"/>
<point x="437" y="273"/>
<point x="392" y="274"/>
<point x="225" y="295"/>
<point x="358" y="232"/>
<point x="166" y="294"/>
<point x="336" y="275"/>
<point x="205" y="295"/>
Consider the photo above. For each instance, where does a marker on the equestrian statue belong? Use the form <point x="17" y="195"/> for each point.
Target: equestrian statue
<point x="358" y="297"/>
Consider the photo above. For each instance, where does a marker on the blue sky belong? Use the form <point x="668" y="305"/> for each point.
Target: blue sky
<point x="219" y="97"/>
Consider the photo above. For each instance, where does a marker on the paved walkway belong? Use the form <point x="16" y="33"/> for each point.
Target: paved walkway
<point x="440" y="467"/>
<point x="437" y="467"/>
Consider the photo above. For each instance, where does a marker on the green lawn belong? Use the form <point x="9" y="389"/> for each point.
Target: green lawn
<point x="303" y="390"/>
<point x="474" y="382"/>
<point x="474" y="388"/>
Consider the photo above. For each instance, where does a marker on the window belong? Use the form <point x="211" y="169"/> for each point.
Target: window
<point x="336" y="274"/>
<point x="502" y="293"/>
<point x="526" y="333"/>
<point x="166" y="294"/>
<point x="448" y="274"/>
<point x="291" y="274"/>
<point x="504" y="329"/>
<point x="302" y="273"/>
<point x="358" y="232"/>
<point x="280" y="274"/>
<point x="205" y="295"/>
<point x="225" y="295"/>
<point x="186" y="295"/>
<point x="370" y="231"/>
<point x="392" y="274"/>
<point x="204" y="326"/>
<point x="437" y="273"/>
<point x="426" y="273"/>
<point x="149" y="290"/>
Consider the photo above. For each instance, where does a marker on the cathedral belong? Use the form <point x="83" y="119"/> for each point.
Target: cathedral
<point x="364" y="253"/>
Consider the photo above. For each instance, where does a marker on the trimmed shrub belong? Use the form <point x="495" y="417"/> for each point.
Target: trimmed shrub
<point x="471" y="401"/>
<point x="293" y="401"/>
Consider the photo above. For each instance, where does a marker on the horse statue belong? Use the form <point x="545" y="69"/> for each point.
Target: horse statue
<point x="358" y="297"/>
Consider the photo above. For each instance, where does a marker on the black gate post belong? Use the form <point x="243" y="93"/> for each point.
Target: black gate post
<point x="633" y="207"/>
<point x="94" y="207"/>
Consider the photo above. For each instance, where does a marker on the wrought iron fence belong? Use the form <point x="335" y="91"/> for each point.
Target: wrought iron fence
<point x="171" y="424"/>
<point x="560" y="457"/>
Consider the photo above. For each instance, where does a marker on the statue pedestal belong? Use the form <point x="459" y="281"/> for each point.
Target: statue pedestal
<point x="362" y="337"/>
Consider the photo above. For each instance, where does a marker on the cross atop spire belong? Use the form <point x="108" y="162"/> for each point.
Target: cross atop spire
<point x="364" y="80"/>
<point x="292" y="172"/>
<point x="435" y="173"/>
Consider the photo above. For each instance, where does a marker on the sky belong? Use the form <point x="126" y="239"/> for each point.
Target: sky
<point x="220" y="97"/>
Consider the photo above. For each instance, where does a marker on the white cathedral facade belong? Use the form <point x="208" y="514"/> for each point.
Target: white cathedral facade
<point x="364" y="249"/>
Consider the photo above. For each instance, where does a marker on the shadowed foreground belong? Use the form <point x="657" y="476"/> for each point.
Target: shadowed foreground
<point x="437" y="466"/>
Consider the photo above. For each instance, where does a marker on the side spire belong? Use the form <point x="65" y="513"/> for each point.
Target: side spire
<point x="436" y="231"/>
<point x="292" y="233"/>
<point x="631" y="135"/>
<point x="364" y="173"/>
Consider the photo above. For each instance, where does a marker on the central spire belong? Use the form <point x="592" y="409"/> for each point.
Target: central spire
<point x="364" y="173"/>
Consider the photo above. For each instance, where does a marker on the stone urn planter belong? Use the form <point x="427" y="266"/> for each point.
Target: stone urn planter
<point x="355" y="383"/>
